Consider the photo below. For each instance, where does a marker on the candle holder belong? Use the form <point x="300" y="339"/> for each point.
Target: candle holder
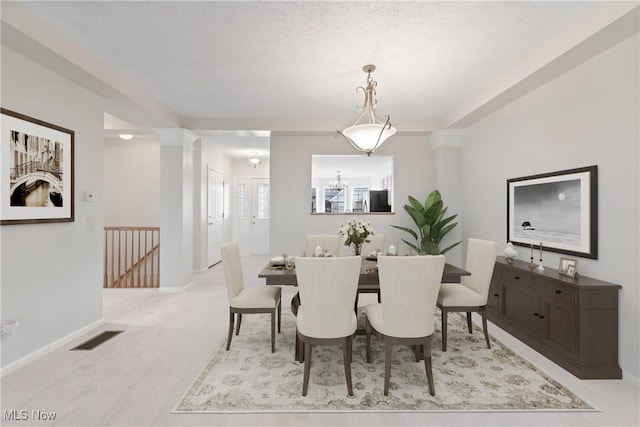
<point x="532" y="264"/>
<point x="540" y="266"/>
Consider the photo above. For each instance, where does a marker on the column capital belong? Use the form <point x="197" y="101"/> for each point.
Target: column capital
<point x="441" y="138"/>
<point x="176" y="136"/>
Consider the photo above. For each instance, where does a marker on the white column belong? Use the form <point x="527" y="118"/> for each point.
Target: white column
<point x="447" y="152"/>
<point x="176" y="208"/>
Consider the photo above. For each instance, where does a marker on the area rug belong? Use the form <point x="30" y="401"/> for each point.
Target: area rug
<point x="468" y="376"/>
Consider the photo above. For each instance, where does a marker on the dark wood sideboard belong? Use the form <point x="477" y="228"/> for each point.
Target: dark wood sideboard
<point x="572" y="321"/>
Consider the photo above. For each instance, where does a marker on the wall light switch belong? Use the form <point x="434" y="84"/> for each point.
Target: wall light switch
<point x="90" y="196"/>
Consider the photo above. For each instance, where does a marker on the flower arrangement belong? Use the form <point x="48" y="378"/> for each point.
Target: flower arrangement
<point x="355" y="233"/>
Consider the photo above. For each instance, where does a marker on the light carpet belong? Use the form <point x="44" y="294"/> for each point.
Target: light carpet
<point x="468" y="376"/>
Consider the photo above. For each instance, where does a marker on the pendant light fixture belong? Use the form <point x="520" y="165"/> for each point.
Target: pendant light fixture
<point x="338" y="184"/>
<point x="254" y="160"/>
<point x="368" y="132"/>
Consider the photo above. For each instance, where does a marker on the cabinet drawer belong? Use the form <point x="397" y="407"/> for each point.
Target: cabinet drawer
<point x="515" y="277"/>
<point x="561" y="292"/>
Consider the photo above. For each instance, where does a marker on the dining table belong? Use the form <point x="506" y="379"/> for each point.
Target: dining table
<point x="368" y="282"/>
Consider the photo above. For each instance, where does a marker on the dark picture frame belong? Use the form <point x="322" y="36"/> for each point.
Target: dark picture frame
<point x="36" y="171"/>
<point x="558" y="210"/>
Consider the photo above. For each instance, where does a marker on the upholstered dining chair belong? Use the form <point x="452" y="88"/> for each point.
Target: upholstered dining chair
<point x="409" y="287"/>
<point x="376" y="243"/>
<point x="330" y="243"/>
<point x="254" y="299"/>
<point x="472" y="293"/>
<point x="327" y="287"/>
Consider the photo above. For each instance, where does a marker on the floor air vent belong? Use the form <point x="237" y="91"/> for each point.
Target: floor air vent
<point x="97" y="340"/>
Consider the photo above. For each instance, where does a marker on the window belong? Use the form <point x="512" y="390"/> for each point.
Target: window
<point x="333" y="200"/>
<point x="314" y="199"/>
<point x="264" y="201"/>
<point x="359" y="199"/>
<point x="242" y="200"/>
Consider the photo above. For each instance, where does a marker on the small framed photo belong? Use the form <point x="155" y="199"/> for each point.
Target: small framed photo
<point x="568" y="266"/>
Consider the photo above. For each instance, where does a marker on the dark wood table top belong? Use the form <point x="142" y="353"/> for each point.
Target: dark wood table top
<point x="368" y="275"/>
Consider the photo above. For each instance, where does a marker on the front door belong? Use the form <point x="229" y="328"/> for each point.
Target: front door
<point x="260" y="215"/>
<point x="251" y="200"/>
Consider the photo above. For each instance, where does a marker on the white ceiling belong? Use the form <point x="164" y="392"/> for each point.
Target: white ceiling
<point x="214" y="66"/>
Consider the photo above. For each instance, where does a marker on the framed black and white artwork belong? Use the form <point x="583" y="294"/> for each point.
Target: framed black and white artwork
<point x="36" y="171"/>
<point x="556" y="210"/>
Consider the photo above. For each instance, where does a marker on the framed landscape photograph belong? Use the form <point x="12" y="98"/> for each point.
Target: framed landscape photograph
<point x="558" y="210"/>
<point x="36" y="171"/>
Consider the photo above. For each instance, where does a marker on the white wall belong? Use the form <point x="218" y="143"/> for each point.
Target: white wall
<point x="132" y="182"/>
<point x="52" y="273"/>
<point x="291" y="188"/>
<point x="588" y="116"/>
<point x="241" y="167"/>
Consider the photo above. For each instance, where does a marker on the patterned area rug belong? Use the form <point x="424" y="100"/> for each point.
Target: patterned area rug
<point x="468" y="376"/>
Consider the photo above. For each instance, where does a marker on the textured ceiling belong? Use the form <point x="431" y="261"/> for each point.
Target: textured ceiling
<point x="219" y="67"/>
<point x="303" y="59"/>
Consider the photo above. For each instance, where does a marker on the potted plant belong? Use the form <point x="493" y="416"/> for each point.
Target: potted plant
<point x="431" y="222"/>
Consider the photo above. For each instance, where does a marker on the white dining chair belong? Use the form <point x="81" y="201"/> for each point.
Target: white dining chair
<point x="376" y="243"/>
<point x="409" y="287"/>
<point x="471" y="294"/>
<point x="327" y="287"/>
<point x="330" y="243"/>
<point x="255" y="299"/>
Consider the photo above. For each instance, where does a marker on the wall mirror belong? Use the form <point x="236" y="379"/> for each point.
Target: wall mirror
<point x="351" y="184"/>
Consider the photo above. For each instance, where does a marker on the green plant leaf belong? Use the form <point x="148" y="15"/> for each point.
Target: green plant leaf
<point x="432" y="198"/>
<point x="450" y="247"/>
<point x="408" y="230"/>
<point x="431" y="223"/>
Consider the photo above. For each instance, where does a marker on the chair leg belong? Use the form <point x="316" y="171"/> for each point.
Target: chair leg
<point x="299" y="356"/>
<point x="307" y="368"/>
<point x="279" y="314"/>
<point x="347" y="364"/>
<point x="416" y="351"/>
<point x="230" y="334"/>
<point x="486" y="331"/>
<point x="387" y="365"/>
<point x="355" y="305"/>
<point x="273" y="331"/>
<point x="469" y="322"/>
<point x="444" y="329"/>
<point x="427" y="366"/>
<point x="379" y="298"/>
<point x="368" y="340"/>
<point x="238" y="325"/>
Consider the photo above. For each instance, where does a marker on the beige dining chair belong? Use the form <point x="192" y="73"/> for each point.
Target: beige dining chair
<point x="330" y="243"/>
<point x="327" y="287"/>
<point x="376" y="243"/>
<point x="254" y="299"/>
<point x="409" y="287"/>
<point x="472" y="293"/>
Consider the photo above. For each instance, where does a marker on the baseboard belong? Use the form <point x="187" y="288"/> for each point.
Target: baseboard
<point x="175" y="289"/>
<point x="630" y="379"/>
<point x="13" y="366"/>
